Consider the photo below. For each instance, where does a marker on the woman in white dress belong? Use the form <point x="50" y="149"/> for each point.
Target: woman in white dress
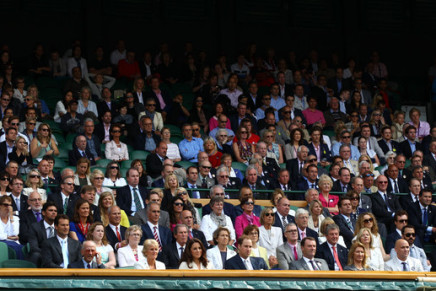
<point x="35" y="183"/>
<point x="113" y="176"/>
<point x="96" y="233"/>
<point x="194" y="256"/>
<point x="173" y="152"/>
<point x="221" y="252"/>
<point x="374" y="255"/>
<point x="270" y="237"/>
<point x="116" y="150"/>
<point x="150" y="252"/>
<point x="132" y="253"/>
<point x="215" y="219"/>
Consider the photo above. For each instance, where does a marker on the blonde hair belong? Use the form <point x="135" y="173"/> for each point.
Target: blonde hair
<point x="167" y="179"/>
<point x="25" y="151"/>
<point x="325" y="178"/>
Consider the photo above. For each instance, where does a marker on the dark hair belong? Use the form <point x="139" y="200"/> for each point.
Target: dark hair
<point x="48" y="204"/>
<point x="407" y="226"/>
<point x="303" y="241"/>
<point x="59" y="217"/>
<point x="342" y="199"/>
<point x="245" y="199"/>
<point x="400" y="213"/>
<point x="108" y="168"/>
<point x="187" y="255"/>
<point x="171" y="212"/>
<point x="76" y="217"/>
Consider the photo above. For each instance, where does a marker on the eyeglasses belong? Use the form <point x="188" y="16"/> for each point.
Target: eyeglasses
<point x="219" y="194"/>
<point x="269" y="214"/>
<point x="35" y="199"/>
<point x="98" y="178"/>
<point x="29" y="99"/>
<point x="249" y="203"/>
<point x="291" y="231"/>
<point x="152" y="105"/>
<point x="31" y="123"/>
<point x="195" y="129"/>
<point x="204" y="167"/>
<point x="368" y="220"/>
<point x="354" y="198"/>
<point x="409" y="234"/>
<point x="116" y="131"/>
<point x="401" y="162"/>
<point x="403" y="221"/>
<point x="114" y="167"/>
<point x="377" y="114"/>
<point x="18" y="184"/>
<point x="346" y="136"/>
<point x="35" y="176"/>
<point x="286" y="112"/>
<point x="368" y="175"/>
<point x="224" y="176"/>
<point x="269" y="136"/>
<point x="312" y="160"/>
<point x="182" y="193"/>
<point x="14" y="123"/>
<point x="4" y="179"/>
<point x="223" y="135"/>
<point x="5" y="99"/>
<point x="6" y="204"/>
<point x="243" y="132"/>
<point x="382" y="182"/>
<point x="178" y="204"/>
<point x="266" y="99"/>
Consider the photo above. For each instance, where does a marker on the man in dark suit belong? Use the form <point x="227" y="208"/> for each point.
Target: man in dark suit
<point x="187" y="218"/>
<point x="364" y="200"/>
<point x="115" y="232"/>
<point x="422" y="216"/>
<point x="344" y="220"/>
<point x="235" y="119"/>
<point x="172" y="253"/>
<point x="154" y="84"/>
<point x="409" y="146"/>
<point x="164" y="218"/>
<point x="65" y="199"/>
<point x="400" y="162"/>
<point x="131" y="197"/>
<point x="396" y="184"/>
<point x="290" y="99"/>
<point x="284" y="182"/>
<point x="228" y="210"/>
<point x="412" y="196"/>
<point x="29" y="216"/>
<point x="282" y="217"/>
<point x="401" y="219"/>
<point x="7" y="145"/>
<point x="87" y="192"/>
<point x="430" y="159"/>
<point x="343" y="183"/>
<point x="89" y="252"/>
<point x="386" y="143"/>
<point x="19" y="201"/>
<point x="310" y="178"/>
<point x="80" y="152"/>
<point x="338" y="83"/>
<point x="102" y="130"/>
<point x="154" y="162"/>
<point x="384" y="205"/>
<point x="334" y="114"/>
<point x="269" y="165"/>
<point x="107" y="104"/>
<point x="153" y="230"/>
<point x="252" y="181"/>
<point x="334" y="254"/>
<point x="146" y="66"/>
<point x="301" y="220"/>
<point x="41" y="231"/>
<point x="60" y="250"/>
<point x="308" y="261"/>
<point x="243" y="261"/>
<point x="295" y="166"/>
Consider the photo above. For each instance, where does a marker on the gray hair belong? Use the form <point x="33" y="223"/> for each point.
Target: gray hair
<point x="249" y="168"/>
<point x="88" y="120"/>
<point x="222" y="169"/>
<point x="301" y="211"/>
<point x="302" y="147"/>
<point x="218" y="132"/>
<point x="330" y="227"/>
<point x="212" y="189"/>
<point x="308" y="191"/>
<point x="362" y="163"/>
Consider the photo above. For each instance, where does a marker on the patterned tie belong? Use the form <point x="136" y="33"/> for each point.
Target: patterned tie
<point x="295" y="252"/>
<point x="136" y="199"/>
<point x="335" y="254"/>
<point x="284" y="222"/>
<point x="313" y="265"/>
<point x="350" y="225"/>
<point x="190" y="234"/>
<point x="118" y="234"/>
<point x="156" y="237"/>
<point x="51" y="234"/>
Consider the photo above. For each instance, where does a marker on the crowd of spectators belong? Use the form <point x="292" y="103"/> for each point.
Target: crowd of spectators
<point x="263" y="128"/>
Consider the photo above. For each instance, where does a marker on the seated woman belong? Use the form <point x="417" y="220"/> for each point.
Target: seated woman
<point x="222" y="251"/>
<point x="81" y="177"/>
<point x="82" y="220"/>
<point x="367" y="159"/>
<point x="9" y="226"/>
<point x="211" y="150"/>
<point x="173" y="152"/>
<point x="274" y="150"/>
<point x="215" y="219"/>
<point x="297" y="140"/>
<point x="316" y="217"/>
<point x="175" y="211"/>
<point x="242" y="149"/>
<point x="170" y="190"/>
<point x="96" y="179"/>
<point x="105" y="202"/>
<point x="97" y="234"/>
<point x="325" y="185"/>
<point x="276" y="195"/>
<point x="137" y="164"/>
<point x="43" y="144"/>
<point x="270" y="237"/>
<point x="132" y="253"/>
<point x="86" y="106"/>
<point x="247" y="217"/>
<point x="150" y="251"/>
<point x="398" y="124"/>
<point x="115" y="149"/>
<point x="213" y="121"/>
<point x="35" y="183"/>
<point x="357" y="258"/>
<point x="113" y="176"/>
<point x="226" y="160"/>
<point x="374" y="255"/>
<point x="189" y="205"/>
<point x="252" y="231"/>
<point x="5" y="179"/>
<point x="20" y="154"/>
<point x="363" y="150"/>
<point x="194" y="257"/>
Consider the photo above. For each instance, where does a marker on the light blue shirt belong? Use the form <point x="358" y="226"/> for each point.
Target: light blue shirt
<point x="412" y="146"/>
<point x="260" y="114"/>
<point x="229" y="133"/>
<point x="189" y="149"/>
<point x="150" y="144"/>
<point x="278" y="103"/>
<point x="355" y="155"/>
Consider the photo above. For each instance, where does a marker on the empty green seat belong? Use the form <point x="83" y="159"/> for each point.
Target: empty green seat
<point x="185" y="164"/>
<point x="240" y="166"/>
<point x="140" y="155"/>
<point x="17" y="264"/>
<point x="102" y="163"/>
<point x="126" y="164"/>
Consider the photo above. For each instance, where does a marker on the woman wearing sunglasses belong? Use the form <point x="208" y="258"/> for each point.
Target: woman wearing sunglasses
<point x="113" y="176"/>
<point x="20" y="153"/>
<point x="115" y="149"/>
<point x="43" y="144"/>
<point x="35" y="183"/>
<point x="247" y="217"/>
<point x="4" y="183"/>
<point x="9" y="226"/>
<point x="368" y="220"/>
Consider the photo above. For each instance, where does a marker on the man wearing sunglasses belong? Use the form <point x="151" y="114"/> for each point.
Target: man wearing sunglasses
<point x="346" y="140"/>
<point x="401" y="219"/>
<point x="29" y="216"/>
<point x="204" y="180"/>
<point x="65" y="199"/>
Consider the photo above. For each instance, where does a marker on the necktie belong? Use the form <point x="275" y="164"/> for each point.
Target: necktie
<point x="45" y="181"/>
<point x="405" y="266"/>
<point x="65" y="253"/>
<point x="350" y="225"/>
<point x="118" y="234"/>
<point x="344" y="189"/>
<point x="65" y="205"/>
<point x="156" y="237"/>
<point x="204" y="183"/>
<point x="181" y="251"/>
<point x="295" y="253"/>
<point x="190" y="234"/>
<point x="51" y="234"/>
<point x="301" y="166"/>
<point x="284" y="222"/>
<point x="368" y="191"/>
<point x="136" y="199"/>
<point x="425" y="217"/>
<point x="83" y="154"/>
<point x="303" y="234"/>
<point x="313" y="265"/>
<point x="88" y="266"/>
<point x="38" y="217"/>
<point x="195" y="194"/>
<point x="312" y="186"/>
<point x="386" y="200"/>
<point x="247" y="264"/>
<point x="17" y="202"/>
<point x="396" y="187"/>
<point x="335" y="254"/>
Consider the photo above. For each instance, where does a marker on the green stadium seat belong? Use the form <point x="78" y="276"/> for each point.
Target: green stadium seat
<point x="4" y="253"/>
<point x="283" y="166"/>
<point x="240" y="166"/>
<point x="60" y="163"/>
<point x="63" y="153"/>
<point x="17" y="264"/>
<point x="175" y="130"/>
<point x="185" y="164"/>
<point x="176" y="139"/>
<point x="126" y="164"/>
<point x="140" y="155"/>
<point x="11" y="253"/>
<point x="103" y="163"/>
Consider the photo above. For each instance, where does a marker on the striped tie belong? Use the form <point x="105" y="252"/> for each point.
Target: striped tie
<point x="156" y="237"/>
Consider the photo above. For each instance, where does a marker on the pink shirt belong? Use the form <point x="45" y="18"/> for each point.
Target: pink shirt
<point x="312" y="117"/>
<point x="333" y="201"/>
<point x="213" y="123"/>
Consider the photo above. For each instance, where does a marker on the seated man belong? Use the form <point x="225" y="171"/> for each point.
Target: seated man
<point x="81" y="151"/>
<point x="308" y="260"/>
<point x="422" y="216"/>
<point x="301" y="220"/>
<point x="334" y="254"/>
<point x="154" y="161"/>
<point x="154" y="196"/>
<point x="243" y="261"/>
<point x="152" y="229"/>
<point x="345" y="221"/>
<point x="131" y="198"/>
<point x="252" y="182"/>
<point x="222" y="121"/>
<point x="290" y="251"/>
<point x="89" y="254"/>
<point x="282" y="217"/>
<point x="246" y="192"/>
<point x="72" y="121"/>
<point x="228" y="209"/>
<point x="190" y="146"/>
<point x="172" y="253"/>
<point x="403" y="261"/>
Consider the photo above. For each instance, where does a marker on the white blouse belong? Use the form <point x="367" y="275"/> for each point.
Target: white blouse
<point x="9" y="228"/>
<point x="118" y="182"/>
<point x="173" y="151"/>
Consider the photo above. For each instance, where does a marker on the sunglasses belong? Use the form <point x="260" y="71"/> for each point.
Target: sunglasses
<point x="196" y="129"/>
<point x="249" y="203"/>
<point x="346" y="136"/>
<point x="31" y="123"/>
<point x="382" y="182"/>
<point x="224" y="176"/>
<point x="312" y="160"/>
<point x="182" y="193"/>
<point x="403" y="221"/>
<point x="99" y="178"/>
<point x="266" y="99"/>
<point x="247" y="132"/>
<point x="14" y="123"/>
<point x="287" y="112"/>
<point x="354" y="198"/>
<point x="45" y="129"/>
<point x="69" y="183"/>
<point x="368" y="220"/>
<point x="35" y="176"/>
<point x="114" y="167"/>
<point x="354" y="115"/>
<point x="4" y="179"/>
<point x="116" y="131"/>
<point x="368" y="175"/>
<point x="4" y="99"/>
<point x="6" y="204"/>
<point x="152" y="105"/>
<point x="269" y="214"/>
<point x="178" y="204"/>
<point x="204" y="167"/>
<point x="409" y="234"/>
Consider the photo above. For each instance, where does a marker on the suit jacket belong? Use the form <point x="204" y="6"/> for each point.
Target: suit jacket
<point x="23" y="203"/>
<point x="159" y="183"/>
<point x="406" y="150"/>
<point x="236" y="263"/>
<point x="330" y="120"/>
<point x="57" y="199"/>
<point x="373" y="145"/>
<point x="215" y="259"/>
<point x="384" y="147"/>
<point x="415" y="219"/>
<point x="170" y="256"/>
<point x="124" y="198"/>
<point x="139" y="140"/>
<point x="429" y="161"/>
<point x="164" y="219"/>
<point x="344" y="230"/>
<point x="165" y="235"/>
<point x="311" y="233"/>
<point x="259" y="186"/>
<point x="37" y="235"/>
<point x="366" y="202"/>
<point x="74" y="155"/>
<point x="270" y="168"/>
<point x="302" y="265"/>
<point x="52" y="251"/>
<point x="303" y="186"/>
<point x="79" y="265"/>
<point x="154" y="165"/>
<point x="285" y="255"/>
<point x="402" y="186"/>
<point x="228" y="210"/>
<point x="325" y="151"/>
<point x="337" y="186"/>
<point x="112" y="236"/>
<point x="102" y="107"/>
<point x="380" y="210"/>
<point x="333" y="84"/>
<point x="324" y="252"/>
<point x="292" y="167"/>
<point x="278" y="222"/>
<point x="234" y="121"/>
<point x="200" y="235"/>
<point x="99" y="130"/>
<point x="26" y="219"/>
<point x="166" y="96"/>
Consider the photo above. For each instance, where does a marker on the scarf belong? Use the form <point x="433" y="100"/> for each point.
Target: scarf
<point x="218" y="220"/>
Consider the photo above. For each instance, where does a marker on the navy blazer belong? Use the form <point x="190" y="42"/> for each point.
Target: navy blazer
<point x="52" y="251"/>
<point x="236" y="263"/>
<point x="380" y="210"/>
<point x="200" y="235"/>
<point x="344" y="230"/>
<point x="324" y="252"/>
<point x="415" y="219"/>
<point x="79" y="265"/>
<point x="124" y="198"/>
<point x="406" y="150"/>
<point x="112" y="236"/>
<point x="234" y="118"/>
<point x="165" y="234"/>
<point x="23" y="203"/>
<point x="170" y="256"/>
<point x="402" y="186"/>
<point x="139" y="140"/>
<point x="26" y="219"/>
<point x="278" y="222"/>
<point x="383" y="145"/>
<point x="292" y="167"/>
<point x="325" y="152"/>
<point x="57" y="199"/>
<point x="393" y="237"/>
<point x="74" y="155"/>
<point x="154" y="165"/>
<point x="159" y="183"/>
<point x="311" y="233"/>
